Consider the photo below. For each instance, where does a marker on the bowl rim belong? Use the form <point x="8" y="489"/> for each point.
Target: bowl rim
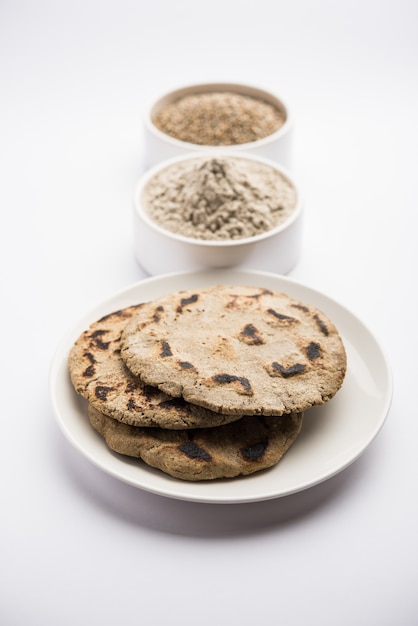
<point x="141" y="212"/>
<point x="239" y="88"/>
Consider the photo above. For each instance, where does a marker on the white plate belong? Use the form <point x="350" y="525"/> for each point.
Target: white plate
<point x="333" y="436"/>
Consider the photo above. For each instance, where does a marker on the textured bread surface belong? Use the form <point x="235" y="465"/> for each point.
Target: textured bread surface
<point x="237" y="350"/>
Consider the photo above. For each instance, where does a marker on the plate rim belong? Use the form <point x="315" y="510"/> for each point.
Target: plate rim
<point x="181" y="487"/>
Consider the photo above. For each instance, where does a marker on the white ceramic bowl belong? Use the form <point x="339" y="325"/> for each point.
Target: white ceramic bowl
<point x="159" y="146"/>
<point x="161" y="251"/>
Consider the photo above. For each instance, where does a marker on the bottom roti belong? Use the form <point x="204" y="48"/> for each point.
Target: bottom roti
<point x="251" y="444"/>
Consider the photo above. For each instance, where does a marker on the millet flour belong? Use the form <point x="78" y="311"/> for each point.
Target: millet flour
<point x="219" y="198"/>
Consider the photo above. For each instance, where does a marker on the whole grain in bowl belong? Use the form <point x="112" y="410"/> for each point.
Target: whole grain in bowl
<point x="218" y="119"/>
<point x="216" y="198"/>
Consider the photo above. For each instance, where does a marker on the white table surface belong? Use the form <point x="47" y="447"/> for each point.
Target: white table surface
<point x="80" y="547"/>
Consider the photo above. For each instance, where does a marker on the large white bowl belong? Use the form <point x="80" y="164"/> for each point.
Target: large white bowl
<point x="159" y="251"/>
<point x="159" y="146"/>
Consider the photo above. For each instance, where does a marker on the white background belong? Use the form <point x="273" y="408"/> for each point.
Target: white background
<point x="80" y="547"/>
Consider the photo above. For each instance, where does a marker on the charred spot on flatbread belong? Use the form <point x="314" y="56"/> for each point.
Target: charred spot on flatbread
<point x="97" y="339"/>
<point x="186" y="365"/>
<point x="165" y="349"/>
<point x="241" y="383"/>
<point x="157" y="314"/>
<point x="194" y="451"/>
<point x="313" y="351"/>
<point x="101" y="392"/>
<point x="255" y="451"/>
<point x="281" y="317"/>
<point x="184" y="302"/>
<point x="321" y="325"/>
<point x="250" y="335"/>
<point x="277" y="369"/>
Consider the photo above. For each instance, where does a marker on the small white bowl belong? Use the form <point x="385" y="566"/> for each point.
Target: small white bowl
<point x="161" y="251"/>
<point x="160" y="146"/>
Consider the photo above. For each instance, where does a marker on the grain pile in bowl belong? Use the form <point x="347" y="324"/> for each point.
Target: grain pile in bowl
<point x="208" y="383"/>
<point x="218" y="119"/>
<point x="219" y="198"/>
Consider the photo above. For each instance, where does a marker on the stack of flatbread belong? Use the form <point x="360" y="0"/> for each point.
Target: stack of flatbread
<point x="207" y="383"/>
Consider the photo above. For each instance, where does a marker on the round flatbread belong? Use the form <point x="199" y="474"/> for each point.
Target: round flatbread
<point x="100" y="376"/>
<point x="240" y="448"/>
<point x="237" y="350"/>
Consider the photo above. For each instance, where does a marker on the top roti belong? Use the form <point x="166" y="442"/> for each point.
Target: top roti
<point x="236" y="350"/>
